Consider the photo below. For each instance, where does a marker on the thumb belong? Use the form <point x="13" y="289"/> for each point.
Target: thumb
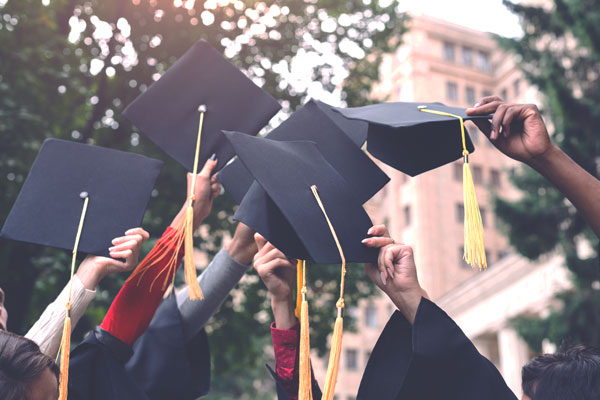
<point x="260" y="241"/>
<point x="209" y="167"/>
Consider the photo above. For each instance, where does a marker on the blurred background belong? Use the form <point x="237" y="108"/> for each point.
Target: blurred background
<point x="68" y="68"/>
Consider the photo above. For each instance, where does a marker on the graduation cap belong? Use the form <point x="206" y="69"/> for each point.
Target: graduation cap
<point x="418" y="137"/>
<point x="184" y="112"/>
<point x="319" y="206"/>
<point x="201" y="82"/>
<point x="333" y="134"/>
<point x="80" y="197"/>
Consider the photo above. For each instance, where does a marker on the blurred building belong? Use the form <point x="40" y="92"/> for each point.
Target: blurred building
<point x="440" y="61"/>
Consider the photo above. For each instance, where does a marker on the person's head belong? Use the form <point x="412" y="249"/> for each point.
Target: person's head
<point x="25" y="372"/>
<point x="568" y="374"/>
<point x="3" y="312"/>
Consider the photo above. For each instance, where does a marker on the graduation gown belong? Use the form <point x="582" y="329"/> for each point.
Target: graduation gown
<point x="430" y="360"/>
<point x="160" y="365"/>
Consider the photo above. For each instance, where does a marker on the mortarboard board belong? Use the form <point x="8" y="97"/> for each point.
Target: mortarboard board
<point x="286" y="175"/>
<point x="356" y="129"/>
<point x="418" y="137"/>
<point x="168" y="111"/>
<point x="313" y="123"/>
<point x="47" y="211"/>
<point x="404" y="137"/>
<point x="323" y="211"/>
<point x="80" y="197"/>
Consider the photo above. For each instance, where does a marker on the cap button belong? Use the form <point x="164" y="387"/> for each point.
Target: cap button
<point x="202" y="108"/>
<point x="421" y="107"/>
<point x="83" y="195"/>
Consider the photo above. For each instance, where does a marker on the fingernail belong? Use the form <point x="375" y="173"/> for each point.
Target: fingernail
<point x="383" y="278"/>
<point x="476" y="105"/>
<point x="214" y="156"/>
<point x="113" y="241"/>
<point x="129" y="231"/>
<point x="364" y="241"/>
<point x="111" y="248"/>
<point x="370" y="231"/>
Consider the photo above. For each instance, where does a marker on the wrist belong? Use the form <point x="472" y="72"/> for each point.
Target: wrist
<point x="407" y="301"/>
<point x="545" y="161"/>
<point x="90" y="274"/>
<point x="241" y="250"/>
<point x="283" y="312"/>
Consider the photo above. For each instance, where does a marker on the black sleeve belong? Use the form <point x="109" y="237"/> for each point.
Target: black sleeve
<point x="97" y="372"/>
<point x="432" y="359"/>
<point x="282" y="393"/>
<point x="164" y="365"/>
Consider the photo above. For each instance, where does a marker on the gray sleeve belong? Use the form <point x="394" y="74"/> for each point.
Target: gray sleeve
<point x="217" y="280"/>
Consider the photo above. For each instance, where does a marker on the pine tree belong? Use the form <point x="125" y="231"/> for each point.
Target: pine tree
<point x="559" y="54"/>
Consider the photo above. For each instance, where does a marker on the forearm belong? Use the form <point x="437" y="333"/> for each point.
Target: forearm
<point x="283" y="312"/>
<point x="579" y="186"/>
<point x="47" y="330"/>
<point x="408" y="302"/>
<point x="217" y="280"/>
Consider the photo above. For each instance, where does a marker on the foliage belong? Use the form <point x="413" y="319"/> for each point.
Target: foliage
<point x="560" y="55"/>
<point x="69" y="67"/>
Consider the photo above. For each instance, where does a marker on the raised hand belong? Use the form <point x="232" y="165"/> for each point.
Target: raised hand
<point x="517" y="130"/>
<point x="95" y="268"/>
<point x="279" y="276"/>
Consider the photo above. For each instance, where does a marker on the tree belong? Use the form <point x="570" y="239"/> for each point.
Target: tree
<point x="69" y="67"/>
<point x="560" y="55"/>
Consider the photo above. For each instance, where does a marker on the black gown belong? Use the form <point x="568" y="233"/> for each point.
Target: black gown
<point x="430" y="360"/>
<point x="160" y="365"/>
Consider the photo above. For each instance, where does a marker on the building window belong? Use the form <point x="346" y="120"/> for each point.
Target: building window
<point x="495" y="178"/>
<point x="504" y="94"/>
<point x="371" y="316"/>
<point x="458" y="171"/>
<point x="486" y="93"/>
<point x="407" y="216"/>
<point x="483" y="213"/>
<point x="460" y="213"/>
<point x="452" y="91"/>
<point x="470" y="95"/>
<point x="477" y="175"/>
<point x="351" y="359"/>
<point x="483" y="61"/>
<point x="467" y="56"/>
<point x="367" y="356"/>
<point x="449" y="51"/>
<point x="517" y="87"/>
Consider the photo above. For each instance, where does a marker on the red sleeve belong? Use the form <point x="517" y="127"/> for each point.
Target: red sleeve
<point x="286" y="346"/>
<point x="132" y="310"/>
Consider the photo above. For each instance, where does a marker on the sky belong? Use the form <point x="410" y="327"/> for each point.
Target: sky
<point x="483" y="15"/>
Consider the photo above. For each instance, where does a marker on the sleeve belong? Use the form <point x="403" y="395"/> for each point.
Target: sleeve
<point x="431" y="359"/>
<point x="47" y="331"/>
<point x="217" y="280"/>
<point x="132" y="310"/>
<point x="286" y="346"/>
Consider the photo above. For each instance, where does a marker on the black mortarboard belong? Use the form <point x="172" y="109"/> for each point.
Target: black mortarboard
<point x="286" y="171"/>
<point x="317" y="122"/>
<point x="168" y="112"/>
<point x="48" y="208"/>
<point x="410" y="140"/>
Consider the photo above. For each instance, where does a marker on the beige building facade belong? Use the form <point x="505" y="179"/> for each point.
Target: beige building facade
<point x="440" y="61"/>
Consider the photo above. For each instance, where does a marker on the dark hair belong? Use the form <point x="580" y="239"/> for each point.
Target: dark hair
<point x="569" y="374"/>
<point x="21" y="362"/>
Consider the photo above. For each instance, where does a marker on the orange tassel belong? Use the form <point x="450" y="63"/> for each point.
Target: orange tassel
<point x="334" y="357"/>
<point x="299" y="285"/>
<point x="305" y="382"/>
<point x="65" y="351"/>
<point x="191" y="278"/>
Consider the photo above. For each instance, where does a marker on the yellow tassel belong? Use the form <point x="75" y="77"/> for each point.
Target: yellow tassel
<point x="191" y="278"/>
<point x="474" y="246"/>
<point x="474" y="253"/>
<point x="299" y="285"/>
<point x="305" y="382"/>
<point x="65" y="351"/>
<point x="334" y="357"/>
<point x="338" y="330"/>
